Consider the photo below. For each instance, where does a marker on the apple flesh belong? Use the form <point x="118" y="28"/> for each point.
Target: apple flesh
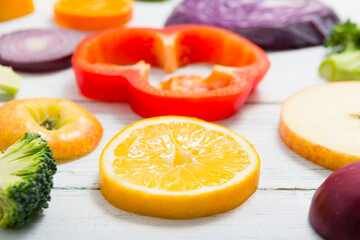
<point x="335" y="207"/>
<point x="70" y="130"/>
<point x="322" y="124"/>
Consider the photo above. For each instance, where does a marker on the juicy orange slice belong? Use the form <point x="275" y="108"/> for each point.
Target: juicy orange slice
<point x="178" y="168"/>
<point x="15" y="8"/>
<point x="92" y="15"/>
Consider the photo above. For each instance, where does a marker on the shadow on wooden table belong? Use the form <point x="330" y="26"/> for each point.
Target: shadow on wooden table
<point x="120" y="215"/>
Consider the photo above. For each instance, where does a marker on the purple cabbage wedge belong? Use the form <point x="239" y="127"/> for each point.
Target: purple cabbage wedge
<point x="39" y="50"/>
<point x="272" y="24"/>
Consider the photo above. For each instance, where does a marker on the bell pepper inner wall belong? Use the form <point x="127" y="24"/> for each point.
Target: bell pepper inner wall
<point x="126" y="48"/>
<point x="212" y="47"/>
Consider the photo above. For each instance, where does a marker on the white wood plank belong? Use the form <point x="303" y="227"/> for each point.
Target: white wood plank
<point x="288" y="74"/>
<point x="86" y="214"/>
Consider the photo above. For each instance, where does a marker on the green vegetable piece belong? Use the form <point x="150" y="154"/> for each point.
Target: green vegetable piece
<point x="342" y="66"/>
<point x="344" y="36"/>
<point x="344" y="61"/>
<point x="9" y="82"/>
<point x="26" y="170"/>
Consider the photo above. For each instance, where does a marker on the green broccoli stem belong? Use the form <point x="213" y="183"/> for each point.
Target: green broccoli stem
<point x="341" y="66"/>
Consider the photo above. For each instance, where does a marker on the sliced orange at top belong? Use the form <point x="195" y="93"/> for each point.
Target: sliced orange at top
<point x="178" y="168"/>
<point x="15" y="8"/>
<point x="91" y="15"/>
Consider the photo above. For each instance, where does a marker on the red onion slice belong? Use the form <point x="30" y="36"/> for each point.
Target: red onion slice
<point x="272" y="24"/>
<point x="39" y="50"/>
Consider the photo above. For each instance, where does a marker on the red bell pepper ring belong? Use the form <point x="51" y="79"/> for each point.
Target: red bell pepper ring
<point x="114" y="65"/>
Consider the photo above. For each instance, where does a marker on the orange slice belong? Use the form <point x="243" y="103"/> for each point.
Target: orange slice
<point x="15" y="8"/>
<point x="178" y="168"/>
<point x="91" y="15"/>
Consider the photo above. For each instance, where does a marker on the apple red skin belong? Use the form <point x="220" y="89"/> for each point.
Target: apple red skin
<point x="335" y="207"/>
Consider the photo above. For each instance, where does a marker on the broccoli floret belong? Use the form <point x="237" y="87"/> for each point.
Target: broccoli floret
<point x="26" y="170"/>
<point x="344" y="60"/>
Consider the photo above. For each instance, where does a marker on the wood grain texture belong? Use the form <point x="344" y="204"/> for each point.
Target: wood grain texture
<point x="85" y="214"/>
<point x="277" y="210"/>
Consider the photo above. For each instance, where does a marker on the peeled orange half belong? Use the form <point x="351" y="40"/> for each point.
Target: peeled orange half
<point x="178" y="168"/>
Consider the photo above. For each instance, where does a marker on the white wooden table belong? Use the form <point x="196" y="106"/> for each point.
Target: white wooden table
<point x="277" y="210"/>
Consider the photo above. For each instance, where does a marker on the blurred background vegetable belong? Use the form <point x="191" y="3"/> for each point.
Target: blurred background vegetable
<point x="272" y="24"/>
<point x="10" y="9"/>
<point x="90" y="15"/>
<point x="344" y="60"/>
<point x="39" y="50"/>
<point x="9" y="82"/>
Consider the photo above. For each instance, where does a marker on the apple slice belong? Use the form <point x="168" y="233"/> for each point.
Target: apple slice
<point x="322" y="124"/>
<point x="70" y="130"/>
